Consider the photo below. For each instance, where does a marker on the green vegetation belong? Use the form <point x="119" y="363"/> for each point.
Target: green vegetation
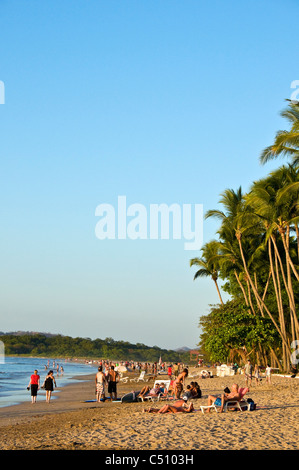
<point x="256" y="254"/>
<point x="39" y="345"/>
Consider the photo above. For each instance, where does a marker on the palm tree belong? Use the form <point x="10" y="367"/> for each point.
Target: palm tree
<point x="240" y="218"/>
<point x="278" y="209"/>
<point x="208" y="264"/>
<point x="286" y="143"/>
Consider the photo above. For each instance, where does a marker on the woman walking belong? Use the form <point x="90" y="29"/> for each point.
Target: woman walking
<point x="34" y="385"/>
<point x="49" y="385"/>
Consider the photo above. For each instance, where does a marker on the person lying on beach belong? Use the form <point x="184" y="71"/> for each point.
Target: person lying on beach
<point x="178" y="407"/>
<point x="220" y="401"/>
<point x="154" y="392"/>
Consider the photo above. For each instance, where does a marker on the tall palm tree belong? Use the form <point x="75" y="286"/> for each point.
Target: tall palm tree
<point x="276" y="207"/>
<point x="208" y="264"/>
<point x="240" y="218"/>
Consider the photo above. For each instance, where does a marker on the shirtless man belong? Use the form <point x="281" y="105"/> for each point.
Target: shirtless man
<point x="113" y="377"/>
<point x="233" y="395"/>
<point x="179" y="383"/>
<point x="100" y="384"/>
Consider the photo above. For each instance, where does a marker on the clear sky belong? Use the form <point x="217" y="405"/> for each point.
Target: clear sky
<point x="161" y="101"/>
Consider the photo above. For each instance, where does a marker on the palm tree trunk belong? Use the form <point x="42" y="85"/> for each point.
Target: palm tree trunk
<point x="284" y="339"/>
<point x="275" y="278"/>
<point x="216" y="284"/>
<point x="287" y="287"/>
<point x="242" y="288"/>
<point x="297" y="236"/>
<point x="289" y="259"/>
<point x="249" y="297"/>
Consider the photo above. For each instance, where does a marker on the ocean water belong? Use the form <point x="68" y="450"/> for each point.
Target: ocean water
<point x="15" y="375"/>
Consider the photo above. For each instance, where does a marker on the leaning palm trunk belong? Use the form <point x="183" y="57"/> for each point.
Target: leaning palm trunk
<point x="288" y="286"/>
<point x="250" y="308"/>
<point x="283" y="337"/>
<point x="276" y="284"/>
<point x="249" y="296"/>
<point x="216" y="284"/>
<point x="281" y="311"/>
<point x="293" y="315"/>
<point x="289" y="259"/>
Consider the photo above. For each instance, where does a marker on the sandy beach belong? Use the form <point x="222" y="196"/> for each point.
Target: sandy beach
<point x="68" y="423"/>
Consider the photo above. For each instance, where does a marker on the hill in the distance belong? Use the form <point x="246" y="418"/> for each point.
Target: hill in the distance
<point x="49" y="345"/>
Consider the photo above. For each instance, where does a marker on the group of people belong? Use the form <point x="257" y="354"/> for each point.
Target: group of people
<point x="109" y="376"/>
<point x="192" y="391"/>
<point x="176" y="390"/>
<point x="251" y="372"/>
<point x="48" y="385"/>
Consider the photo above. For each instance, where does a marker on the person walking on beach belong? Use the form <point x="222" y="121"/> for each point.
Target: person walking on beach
<point x="248" y="369"/>
<point x="268" y="374"/>
<point x="113" y="377"/>
<point x="100" y="384"/>
<point x="34" y="385"/>
<point x="49" y="385"/>
<point x="257" y="374"/>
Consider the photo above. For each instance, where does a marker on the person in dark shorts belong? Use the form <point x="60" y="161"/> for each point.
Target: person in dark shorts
<point x="34" y="385"/>
<point x="113" y="378"/>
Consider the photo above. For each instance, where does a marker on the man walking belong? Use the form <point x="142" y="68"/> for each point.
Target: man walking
<point x="248" y="369"/>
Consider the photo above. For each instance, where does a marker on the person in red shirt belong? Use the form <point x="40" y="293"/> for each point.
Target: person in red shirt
<point x="34" y="384"/>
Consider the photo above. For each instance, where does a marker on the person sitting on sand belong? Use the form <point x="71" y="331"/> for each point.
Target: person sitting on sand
<point x="178" y="407"/>
<point x="187" y="394"/>
<point x="220" y="401"/>
<point x="195" y="390"/>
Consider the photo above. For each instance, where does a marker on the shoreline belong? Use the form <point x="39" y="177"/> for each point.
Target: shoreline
<point x="67" y="423"/>
<point x="65" y="398"/>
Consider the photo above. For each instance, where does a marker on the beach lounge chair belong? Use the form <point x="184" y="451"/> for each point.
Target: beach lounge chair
<point x="124" y="380"/>
<point x="141" y="378"/>
<point x="157" y="397"/>
<point x="242" y="404"/>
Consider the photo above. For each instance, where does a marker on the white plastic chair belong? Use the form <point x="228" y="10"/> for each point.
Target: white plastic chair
<point x="141" y="378"/>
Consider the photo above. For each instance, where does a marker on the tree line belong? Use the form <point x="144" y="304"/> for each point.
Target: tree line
<point x="256" y="254"/>
<point x="39" y="345"/>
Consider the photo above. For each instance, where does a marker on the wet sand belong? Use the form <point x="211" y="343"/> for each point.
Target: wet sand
<point x="67" y="423"/>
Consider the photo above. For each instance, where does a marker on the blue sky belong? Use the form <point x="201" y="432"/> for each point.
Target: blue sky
<point x="161" y="101"/>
